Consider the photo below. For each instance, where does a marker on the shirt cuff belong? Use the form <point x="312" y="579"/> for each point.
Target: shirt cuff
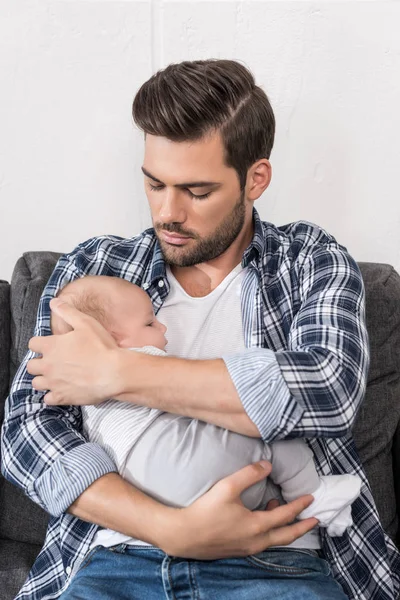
<point x="263" y="392"/>
<point x="70" y="476"/>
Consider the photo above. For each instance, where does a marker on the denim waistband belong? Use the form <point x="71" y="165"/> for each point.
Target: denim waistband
<point x="309" y="551"/>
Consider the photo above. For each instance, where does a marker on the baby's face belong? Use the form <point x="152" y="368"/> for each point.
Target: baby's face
<point x="134" y="322"/>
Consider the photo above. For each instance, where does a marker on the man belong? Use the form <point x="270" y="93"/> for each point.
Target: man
<point x="295" y="358"/>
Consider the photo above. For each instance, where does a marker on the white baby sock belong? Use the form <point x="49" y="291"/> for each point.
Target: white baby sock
<point x="332" y="502"/>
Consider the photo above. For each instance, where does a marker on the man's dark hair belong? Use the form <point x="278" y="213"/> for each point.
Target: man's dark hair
<point x="185" y="101"/>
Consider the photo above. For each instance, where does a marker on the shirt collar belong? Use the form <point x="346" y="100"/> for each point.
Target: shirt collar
<point x="256" y="247"/>
<point x="155" y="270"/>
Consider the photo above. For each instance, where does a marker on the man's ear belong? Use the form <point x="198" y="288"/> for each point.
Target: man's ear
<point x="258" y="178"/>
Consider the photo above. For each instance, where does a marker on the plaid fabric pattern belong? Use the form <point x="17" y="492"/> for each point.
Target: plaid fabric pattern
<point x="303" y="374"/>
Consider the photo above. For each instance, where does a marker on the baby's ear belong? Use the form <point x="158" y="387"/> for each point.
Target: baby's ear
<point x="123" y="344"/>
<point x="118" y="337"/>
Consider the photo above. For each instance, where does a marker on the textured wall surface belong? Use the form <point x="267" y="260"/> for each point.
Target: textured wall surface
<point x="70" y="157"/>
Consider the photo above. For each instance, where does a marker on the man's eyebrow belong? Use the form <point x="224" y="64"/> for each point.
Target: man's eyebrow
<point x="191" y="184"/>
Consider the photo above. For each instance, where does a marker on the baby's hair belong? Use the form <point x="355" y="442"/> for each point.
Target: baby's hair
<point x="89" y="302"/>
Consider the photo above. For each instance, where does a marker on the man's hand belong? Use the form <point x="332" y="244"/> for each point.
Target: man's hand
<point x="218" y="525"/>
<point x="77" y="367"/>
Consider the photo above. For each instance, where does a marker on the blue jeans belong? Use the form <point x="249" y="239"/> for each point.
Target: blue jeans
<point x="146" y="573"/>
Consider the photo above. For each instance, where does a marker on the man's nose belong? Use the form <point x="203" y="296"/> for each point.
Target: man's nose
<point x="171" y="209"/>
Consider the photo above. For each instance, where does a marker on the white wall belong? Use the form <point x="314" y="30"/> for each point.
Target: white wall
<point x="70" y="157"/>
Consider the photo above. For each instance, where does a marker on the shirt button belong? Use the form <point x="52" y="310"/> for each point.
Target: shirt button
<point x="68" y="570"/>
<point x="161" y="283"/>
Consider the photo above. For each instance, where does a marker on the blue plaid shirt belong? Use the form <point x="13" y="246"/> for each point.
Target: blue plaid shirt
<point x="303" y="374"/>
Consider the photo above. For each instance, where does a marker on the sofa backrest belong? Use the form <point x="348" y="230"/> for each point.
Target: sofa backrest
<point x="377" y="427"/>
<point x="376" y="431"/>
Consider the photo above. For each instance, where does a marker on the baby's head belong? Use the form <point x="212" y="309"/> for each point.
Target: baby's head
<point x="123" y="308"/>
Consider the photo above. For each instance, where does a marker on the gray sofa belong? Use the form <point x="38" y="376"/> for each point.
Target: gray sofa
<point x="377" y="430"/>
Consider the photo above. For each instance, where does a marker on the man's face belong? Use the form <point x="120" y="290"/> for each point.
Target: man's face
<point x="196" y="204"/>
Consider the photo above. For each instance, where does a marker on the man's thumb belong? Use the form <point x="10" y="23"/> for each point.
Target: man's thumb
<point x="246" y="477"/>
<point x="67" y="312"/>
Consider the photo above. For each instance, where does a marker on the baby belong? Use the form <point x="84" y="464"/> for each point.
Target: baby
<point x="176" y="459"/>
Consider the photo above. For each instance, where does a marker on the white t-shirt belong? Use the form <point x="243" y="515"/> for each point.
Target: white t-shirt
<point x="207" y="327"/>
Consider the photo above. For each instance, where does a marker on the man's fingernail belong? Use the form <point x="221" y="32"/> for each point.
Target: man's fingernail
<point x="264" y="464"/>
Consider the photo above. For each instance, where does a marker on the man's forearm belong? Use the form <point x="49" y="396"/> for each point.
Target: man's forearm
<point x="200" y="389"/>
<point x="114" y="503"/>
<point x="216" y="525"/>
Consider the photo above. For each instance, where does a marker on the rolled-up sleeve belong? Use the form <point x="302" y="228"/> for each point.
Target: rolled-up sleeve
<point x="314" y="387"/>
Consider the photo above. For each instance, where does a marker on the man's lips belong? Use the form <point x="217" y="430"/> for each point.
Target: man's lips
<point x="174" y="238"/>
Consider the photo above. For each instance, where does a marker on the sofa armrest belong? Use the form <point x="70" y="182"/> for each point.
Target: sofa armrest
<point x="396" y="473"/>
<point x="30" y="275"/>
<point x="4" y="343"/>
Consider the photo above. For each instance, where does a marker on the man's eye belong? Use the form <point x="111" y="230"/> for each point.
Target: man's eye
<point x="156" y="188"/>
<point x="199" y="197"/>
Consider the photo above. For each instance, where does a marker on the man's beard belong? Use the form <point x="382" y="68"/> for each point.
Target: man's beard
<point x="208" y="248"/>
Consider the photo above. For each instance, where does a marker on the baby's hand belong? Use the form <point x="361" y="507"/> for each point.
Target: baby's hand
<point x="274" y="503"/>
